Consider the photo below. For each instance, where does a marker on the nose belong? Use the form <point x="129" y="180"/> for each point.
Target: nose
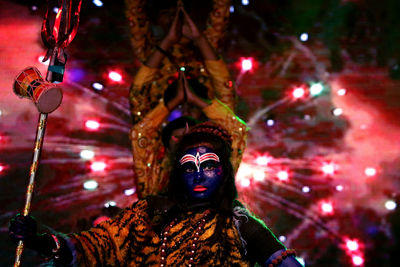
<point x="199" y="177"/>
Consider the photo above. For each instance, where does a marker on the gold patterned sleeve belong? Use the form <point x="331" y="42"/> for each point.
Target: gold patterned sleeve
<point x="217" y="22"/>
<point x="221" y="81"/>
<point x="140" y="98"/>
<point x="139" y="28"/>
<point x="221" y="114"/>
<point x="148" y="150"/>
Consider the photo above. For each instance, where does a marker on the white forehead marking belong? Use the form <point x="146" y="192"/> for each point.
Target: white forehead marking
<point x="198" y="159"/>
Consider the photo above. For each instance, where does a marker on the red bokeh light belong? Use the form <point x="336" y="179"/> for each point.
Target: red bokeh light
<point x="329" y="168"/>
<point x="115" y="76"/>
<point x="283" y="175"/>
<point x="352" y="245"/>
<point x="298" y="92"/>
<point x="98" y="166"/>
<point x="326" y="207"/>
<point x="357" y="260"/>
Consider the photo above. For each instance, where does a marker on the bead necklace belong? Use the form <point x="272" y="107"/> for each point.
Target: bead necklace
<point x="198" y="227"/>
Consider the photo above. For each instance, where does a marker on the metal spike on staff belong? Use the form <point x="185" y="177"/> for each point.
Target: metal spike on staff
<point x="57" y="33"/>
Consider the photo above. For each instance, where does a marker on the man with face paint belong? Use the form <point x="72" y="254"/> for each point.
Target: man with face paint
<point x="199" y="222"/>
<point x="202" y="172"/>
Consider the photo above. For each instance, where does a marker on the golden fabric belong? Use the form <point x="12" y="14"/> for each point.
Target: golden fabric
<point x="143" y="42"/>
<point x="130" y="240"/>
<point x="148" y="110"/>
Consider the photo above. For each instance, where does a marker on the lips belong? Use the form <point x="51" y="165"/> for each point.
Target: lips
<point x="199" y="188"/>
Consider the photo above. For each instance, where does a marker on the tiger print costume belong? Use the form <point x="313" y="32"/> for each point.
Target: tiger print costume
<point x="131" y="240"/>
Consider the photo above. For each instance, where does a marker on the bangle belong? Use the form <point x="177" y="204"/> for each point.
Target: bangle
<point x="275" y="262"/>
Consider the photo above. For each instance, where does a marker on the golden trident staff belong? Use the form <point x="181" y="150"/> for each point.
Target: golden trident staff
<point x="58" y="30"/>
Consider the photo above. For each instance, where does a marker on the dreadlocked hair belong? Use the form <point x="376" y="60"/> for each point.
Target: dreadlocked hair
<point x="222" y="201"/>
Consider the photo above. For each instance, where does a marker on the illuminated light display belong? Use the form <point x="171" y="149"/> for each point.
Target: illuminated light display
<point x="337" y="111"/>
<point x="97" y="86"/>
<point x="357" y="260"/>
<point x="305" y="189"/>
<point x="342" y="92"/>
<point x="98" y="3"/>
<point x="92" y="125"/>
<point x="130" y="191"/>
<point x="352" y="245"/>
<point x="390" y="205"/>
<point x="247" y="64"/>
<point x="298" y="92"/>
<point x="110" y="203"/>
<point x="115" y="76"/>
<point x="339" y="187"/>
<point x="329" y="168"/>
<point x="259" y="175"/>
<point x="1" y="168"/>
<point x="98" y="166"/>
<point x="86" y="154"/>
<point x="90" y="185"/>
<point x="316" y="89"/>
<point x="370" y="171"/>
<point x="263" y="160"/>
<point x="326" y="207"/>
<point x="245" y="2"/>
<point x="245" y="182"/>
<point x="283" y="175"/>
<point x="282" y="238"/>
<point x="304" y="37"/>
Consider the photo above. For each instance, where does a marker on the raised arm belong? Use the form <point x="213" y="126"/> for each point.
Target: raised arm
<point x="220" y="78"/>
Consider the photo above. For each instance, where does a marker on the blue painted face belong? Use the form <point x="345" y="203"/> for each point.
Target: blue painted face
<point x="202" y="172"/>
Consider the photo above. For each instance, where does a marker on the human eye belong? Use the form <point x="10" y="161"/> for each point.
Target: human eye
<point x="188" y="168"/>
<point x="209" y="166"/>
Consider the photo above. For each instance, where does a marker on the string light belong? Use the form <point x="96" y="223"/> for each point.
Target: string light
<point x="97" y="86"/>
<point x="298" y="92"/>
<point x="282" y="238"/>
<point x="231" y="9"/>
<point x="92" y="125"/>
<point x="339" y="188"/>
<point x="98" y="3"/>
<point x="1" y="168"/>
<point x="98" y="166"/>
<point x="283" y="175"/>
<point x="259" y="175"/>
<point x="304" y="37"/>
<point x="390" y="205"/>
<point x="110" y="203"/>
<point x="55" y="10"/>
<point x="130" y="191"/>
<point x="87" y="154"/>
<point x="245" y="182"/>
<point x="316" y="89"/>
<point x="357" y="260"/>
<point x="370" y="171"/>
<point x="90" y="185"/>
<point x="245" y="2"/>
<point x="263" y="160"/>
<point x="341" y="92"/>
<point x="337" y="111"/>
<point x="34" y="8"/>
<point x="115" y="76"/>
<point x="326" y="207"/>
<point x="305" y="189"/>
<point x="352" y="245"/>
<point x="328" y="168"/>
<point x="247" y="64"/>
<point x="270" y="122"/>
